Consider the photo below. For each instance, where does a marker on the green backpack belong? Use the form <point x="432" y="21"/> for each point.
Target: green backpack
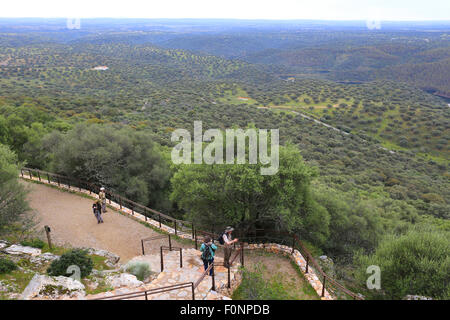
<point x="206" y="254"/>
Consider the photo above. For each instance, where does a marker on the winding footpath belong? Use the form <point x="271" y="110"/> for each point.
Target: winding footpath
<point x="73" y="224"/>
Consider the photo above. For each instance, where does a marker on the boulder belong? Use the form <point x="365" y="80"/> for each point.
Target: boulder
<point x="112" y="258"/>
<point x="3" y="244"/>
<point x="416" y="297"/>
<point x="327" y="265"/>
<point x="44" y="258"/>
<point x="124" y="280"/>
<point x="4" y="287"/>
<point x="16" y="249"/>
<point x="46" y="287"/>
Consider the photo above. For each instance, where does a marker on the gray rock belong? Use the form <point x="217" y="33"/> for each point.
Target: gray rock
<point x="16" y="249"/>
<point x="327" y="264"/>
<point x="53" y="287"/>
<point x="102" y="273"/>
<point x="44" y="258"/>
<point x="416" y="297"/>
<point x="112" y="258"/>
<point x="3" y="244"/>
<point x="124" y="280"/>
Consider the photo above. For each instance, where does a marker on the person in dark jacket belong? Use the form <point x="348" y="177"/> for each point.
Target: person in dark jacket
<point x="97" y="208"/>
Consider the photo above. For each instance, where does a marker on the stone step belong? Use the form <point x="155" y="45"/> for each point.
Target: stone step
<point x="191" y="271"/>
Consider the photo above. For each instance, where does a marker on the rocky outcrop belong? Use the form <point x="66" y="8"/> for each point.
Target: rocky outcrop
<point x="111" y="258"/>
<point x="124" y="280"/>
<point x="415" y="297"/>
<point x="44" y="258"/>
<point x="46" y="287"/>
<point x="3" y="244"/>
<point x="16" y="249"/>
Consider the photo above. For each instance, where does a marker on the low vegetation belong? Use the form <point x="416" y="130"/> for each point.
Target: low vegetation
<point x="140" y="269"/>
<point x="75" y="257"/>
<point x="7" y="265"/>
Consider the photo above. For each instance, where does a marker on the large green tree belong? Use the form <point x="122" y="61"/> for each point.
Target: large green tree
<point x="122" y="159"/>
<point x="12" y="194"/>
<point x="237" y="194"/>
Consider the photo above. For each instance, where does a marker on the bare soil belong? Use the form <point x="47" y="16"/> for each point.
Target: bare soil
<point x="73" y="224"/>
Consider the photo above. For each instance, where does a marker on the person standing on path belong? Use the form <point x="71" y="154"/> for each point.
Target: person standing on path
<point x="102" y="197"/>
<point x="97" y="207"/>
<point x="208" y="250"/>
<point x="228" y="242"/>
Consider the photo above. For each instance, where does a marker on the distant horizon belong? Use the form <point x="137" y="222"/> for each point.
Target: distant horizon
<point x="279" y="10"/>
<point x="225" y="19"/>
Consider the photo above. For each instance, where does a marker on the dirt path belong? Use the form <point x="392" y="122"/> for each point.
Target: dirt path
<point x="72" y="223"/>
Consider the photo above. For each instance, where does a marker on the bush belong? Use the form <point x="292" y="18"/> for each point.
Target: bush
<point x="75" y="257"/>
<point x="35" y="243"/>
<point x="12" y="192"/>
<point x="7" y="265"/>
<point x="140" y="269"/>
<point x="416" y="263"/>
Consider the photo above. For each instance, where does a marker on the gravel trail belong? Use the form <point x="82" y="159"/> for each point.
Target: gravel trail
<point x="72" y="223"/>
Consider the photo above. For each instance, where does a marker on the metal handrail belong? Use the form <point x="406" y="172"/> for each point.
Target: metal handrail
<point x="119" y="199"/>
<point x="148" y="292"/>
<point x="155" y="238"/>
<point x="296" y="240"/>
<point x="206" y="272"/>
<point x="162" y="248"/>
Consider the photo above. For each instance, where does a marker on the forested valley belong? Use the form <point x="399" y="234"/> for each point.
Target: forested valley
<point x="372" y="192"/>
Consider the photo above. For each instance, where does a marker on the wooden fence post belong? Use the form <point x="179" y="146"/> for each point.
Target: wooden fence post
<point x="213" y="278"/>
<point x="195" y="239"/>
<point x="307" y="263"/>
<point x="162" y="261"/>
<point x="323" y="285"/>
<point x="293" y="244"/>
<point x="49" y="239"/>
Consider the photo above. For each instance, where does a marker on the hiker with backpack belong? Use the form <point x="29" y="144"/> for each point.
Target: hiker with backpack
<point x="97" y="208"/>
<point x="228" y="242"/>
<point x="208" y="250"/>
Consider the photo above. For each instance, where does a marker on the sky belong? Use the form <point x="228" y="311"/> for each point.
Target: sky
<point x="232" y="9"/>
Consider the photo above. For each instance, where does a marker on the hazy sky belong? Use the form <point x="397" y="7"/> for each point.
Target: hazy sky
<point x="237" y="9"/>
